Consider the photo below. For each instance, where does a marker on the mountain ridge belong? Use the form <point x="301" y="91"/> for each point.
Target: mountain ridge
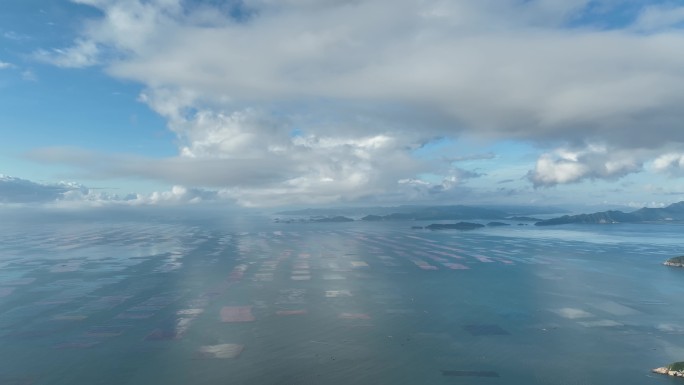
<point x="673" y="212"/>
<point x="398" y="212"/>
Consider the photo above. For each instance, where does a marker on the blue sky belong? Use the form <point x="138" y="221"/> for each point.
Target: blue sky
<point x="265" y="103"/>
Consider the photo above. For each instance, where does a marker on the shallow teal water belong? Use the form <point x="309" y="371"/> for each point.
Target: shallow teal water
<point x="252" y="302"/>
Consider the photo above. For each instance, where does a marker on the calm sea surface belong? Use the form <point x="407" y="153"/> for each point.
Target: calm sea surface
<point x="249" y="301"/>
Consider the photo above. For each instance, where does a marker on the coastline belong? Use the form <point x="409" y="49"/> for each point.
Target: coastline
<point x="668" y="372"/>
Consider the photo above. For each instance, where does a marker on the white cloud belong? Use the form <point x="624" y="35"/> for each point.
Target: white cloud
<point x="365" y="82"/>
<point x="451" y="188"/>
<point x="661" y="16"/>
<point x="525" y="78"/>
<point x="552" y="171"/>
<point x="594" y="162"/>
<point x="284" y="170"/>
<point x="672" y="163"/>
<point x="84" y="53"/>
<point x="17" y="190"/>
<point x="177" y="195"/>
<point x="5" y="65"/>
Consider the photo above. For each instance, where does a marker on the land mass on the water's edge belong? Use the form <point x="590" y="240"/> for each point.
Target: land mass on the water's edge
<point x="675" y="261"/>
<point x="675" y="369"/>
<point x="454" y="226"/>
<point x="437" y="213"/>
<point x="336" y="219"/>
<point x="673" y="212"/>
<point x="524" y="219"/>
<point x="497" y="224"/>
<point x="425" y="213"/>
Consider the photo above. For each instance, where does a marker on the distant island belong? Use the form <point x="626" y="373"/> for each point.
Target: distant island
<point x="494" y="214"/>
<point x="673" y="212"/>
<point x="524" y="219"/>
<point x="675" y="369"/>
<point x="497" y="224"/>
<point x="429" y="213"/>
<point x="675" y="262"/>
<point x="437" y="213"/>
<point x="338" y="218"/>
<point x="335" y="219"/>
<point x="454" y="226"/>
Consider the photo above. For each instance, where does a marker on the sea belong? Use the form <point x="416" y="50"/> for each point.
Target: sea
<point x="237" y="298"/>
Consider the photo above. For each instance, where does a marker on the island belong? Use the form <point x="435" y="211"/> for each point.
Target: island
<point x="497" y="224"/>
<point x="338" y="218"/>
<point x="423" y="213"/>
<point x="372" y="218"/>
<point x="527" y="219"/>
<point x="675" y="369"/>
<point x="673" y="212"/>
<point x="436" y="213"/>
<point x="603" y="217"/>
<point x="454" y="226"/>
<point x="335" y="219"/>
<point x="675" y="261"/>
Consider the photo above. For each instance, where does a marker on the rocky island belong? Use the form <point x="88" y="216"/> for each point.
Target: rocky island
<point x="338" y="218"/>
<point x="497" y="224"/>
<point x="421" y="213"/>
<point x="675" y="262"/>
<point x="673" y="212"/>
<point x="675" y="369"/>
<point x="454" y="226"/>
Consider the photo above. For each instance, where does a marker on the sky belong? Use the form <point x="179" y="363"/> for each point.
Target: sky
<point x="273" y="103"/>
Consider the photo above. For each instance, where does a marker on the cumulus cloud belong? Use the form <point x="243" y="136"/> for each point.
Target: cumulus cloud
<point x="289" y="170"/>
<point x="594" y="162"/>
<point x="429" y="55"/>
<point x="672" y="163"/>
<point x="537" y="77"/>
<point x="300" y="100"/>
<point x="175" y="196"/>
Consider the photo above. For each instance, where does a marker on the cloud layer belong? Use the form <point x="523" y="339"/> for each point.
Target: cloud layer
<point x="594" y="162"/>
<point x="18" y="191"/>
<point x="318" y="101"/>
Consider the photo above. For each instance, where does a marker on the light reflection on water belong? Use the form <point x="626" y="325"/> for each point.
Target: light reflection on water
<point x="253" y="302"/>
